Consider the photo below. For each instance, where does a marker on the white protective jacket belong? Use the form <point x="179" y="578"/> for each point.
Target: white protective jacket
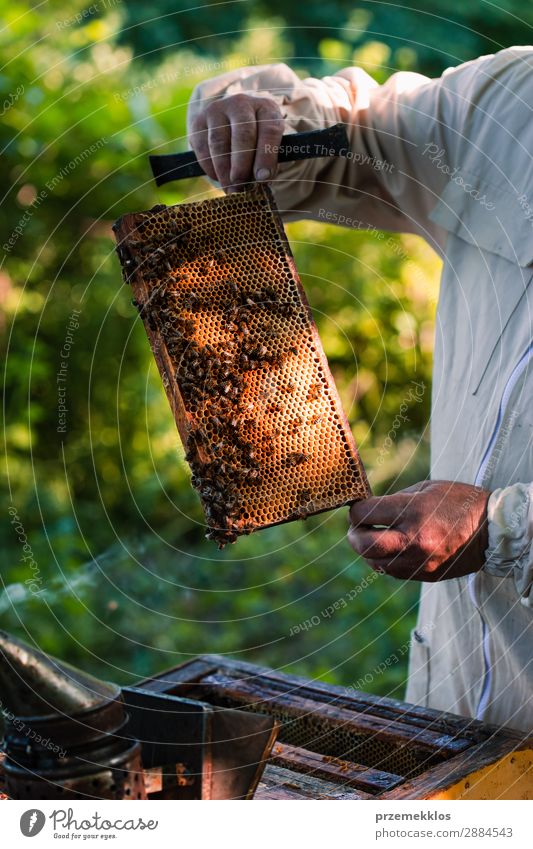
<point x="452" y="160"/>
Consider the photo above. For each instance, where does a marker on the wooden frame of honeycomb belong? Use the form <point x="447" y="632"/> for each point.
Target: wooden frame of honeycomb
<point x="241" y="361"/>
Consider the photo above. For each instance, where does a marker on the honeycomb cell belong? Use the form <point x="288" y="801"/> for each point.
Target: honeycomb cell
<point x="242" y="364"/>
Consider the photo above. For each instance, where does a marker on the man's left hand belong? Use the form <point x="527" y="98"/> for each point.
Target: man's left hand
<point x="431" y="531"/>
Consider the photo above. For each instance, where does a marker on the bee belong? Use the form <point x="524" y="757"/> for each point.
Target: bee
<point x="189" y="326"/>
<point x="275" y="360"/>
<point x="299" y="513"/>
<point x="192" y="302"/>
<point x="314" y="392"/>
<point x="220" y="255"/>
<point x="189" y="376"/>
<point x="296" y="458"/>
<point x="191" y="447"/>
<point x="224" y="403"/>
<point x="268" y="446"/>
<point x="234" y="289"/>
<point x="316" y="419"/>
<point x="265" y="393"/>
<point x="256" y="353"/>
<point x="150" y="320"/>
<point x="285" y="310"/>
<point x="294" y="350"/>
<point x="187" y="388"/>
<point x="289" y="388"/>
<point x="304" y="496"/>
<point x="206" y="492"/>
<point x="270" y="293"/>
<point x="222" y="538"/>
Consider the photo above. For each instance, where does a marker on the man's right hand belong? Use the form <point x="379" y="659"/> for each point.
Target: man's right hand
<point x="233" y="139"/>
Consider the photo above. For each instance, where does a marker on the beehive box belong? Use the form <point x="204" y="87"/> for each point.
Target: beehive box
<point x="241" y="361"/>
<point x="336" y="743"/>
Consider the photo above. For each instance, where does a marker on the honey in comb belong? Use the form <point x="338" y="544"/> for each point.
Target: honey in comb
<point x="241" y="361"/>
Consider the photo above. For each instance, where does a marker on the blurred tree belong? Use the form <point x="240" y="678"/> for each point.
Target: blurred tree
<point x="425" y="36"/>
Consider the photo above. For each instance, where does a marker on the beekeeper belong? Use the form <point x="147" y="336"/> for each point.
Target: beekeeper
<point x="450" y="159"/>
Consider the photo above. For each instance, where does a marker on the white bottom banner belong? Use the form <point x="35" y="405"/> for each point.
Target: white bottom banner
<point x="233" y="824"/>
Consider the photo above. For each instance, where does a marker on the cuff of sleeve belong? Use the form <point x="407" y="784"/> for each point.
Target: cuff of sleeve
<point x="510" y="532"/>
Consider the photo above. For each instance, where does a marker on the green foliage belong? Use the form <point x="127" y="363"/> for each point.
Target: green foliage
<point x="307" y="606"/>
<point x="80" y="116"/>
<point x="422" y="35"/>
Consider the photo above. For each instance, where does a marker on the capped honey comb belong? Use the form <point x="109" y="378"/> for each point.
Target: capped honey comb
<point x="241" y="361"/>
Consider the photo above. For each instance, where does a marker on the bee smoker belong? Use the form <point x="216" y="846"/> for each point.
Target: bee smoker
<point x="70" y="736"/>
<point x="64" y="730"/>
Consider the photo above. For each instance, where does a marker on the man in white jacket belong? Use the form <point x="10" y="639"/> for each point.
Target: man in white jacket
<point x="450" y="159"/>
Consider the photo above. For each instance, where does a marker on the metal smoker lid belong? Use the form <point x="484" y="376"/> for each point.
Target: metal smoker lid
<point x="35" y="684"/>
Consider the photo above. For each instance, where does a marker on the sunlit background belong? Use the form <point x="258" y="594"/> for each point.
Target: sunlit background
<point x="117" y="576"/>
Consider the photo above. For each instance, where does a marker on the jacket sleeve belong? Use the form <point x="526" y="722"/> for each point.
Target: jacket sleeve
<point x="404" y="137"/>
<point x="510" y="551"/>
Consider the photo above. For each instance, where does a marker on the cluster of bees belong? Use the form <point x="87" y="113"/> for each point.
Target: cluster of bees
<point x="211" y="378"/>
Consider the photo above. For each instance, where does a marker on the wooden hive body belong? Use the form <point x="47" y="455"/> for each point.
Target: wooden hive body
<point x="336" y="743"/>
<point x="241" y="361"/>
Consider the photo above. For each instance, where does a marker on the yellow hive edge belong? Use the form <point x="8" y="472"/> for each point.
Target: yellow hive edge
<point x="510" y="777"/>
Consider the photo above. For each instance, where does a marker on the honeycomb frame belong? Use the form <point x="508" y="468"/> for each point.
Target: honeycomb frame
<point x="241" y="361"/>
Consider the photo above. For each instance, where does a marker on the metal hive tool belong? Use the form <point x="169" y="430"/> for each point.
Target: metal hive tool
<point x="241" y="361"/>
